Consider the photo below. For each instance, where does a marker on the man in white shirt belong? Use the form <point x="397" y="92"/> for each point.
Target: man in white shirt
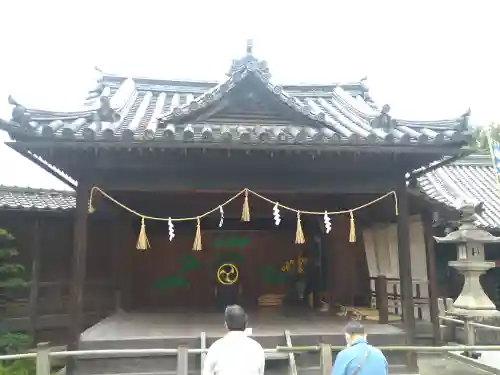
<point x="235" y="353"/>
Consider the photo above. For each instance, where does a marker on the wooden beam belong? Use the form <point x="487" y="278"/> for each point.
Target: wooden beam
<point x="433" y="152"/>
<point x="430" y="254"/>
<point x="405" y="275"/>
<point x="35" y="278"/>
<point x="235" y="180"/>
<point x="78" y="267"/>
<point x="173" y="160"/>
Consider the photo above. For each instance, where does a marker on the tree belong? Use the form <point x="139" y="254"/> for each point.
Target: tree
<point x="481" y="135"/>
<point x="11" y="281"/>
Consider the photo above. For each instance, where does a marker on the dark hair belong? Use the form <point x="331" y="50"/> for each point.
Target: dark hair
<point x="236" y="318"/>
<point x="354" y="328"/>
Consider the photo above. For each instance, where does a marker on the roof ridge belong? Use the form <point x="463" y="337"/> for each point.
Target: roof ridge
<point x="110" y="77"/>
<point x="36" y="114"/>
<point x="104" y="107"/>
<point x="188" y="81"/>
<point x="85" y="109"/>
<point x="27" y="189"/>
<point x="196" y="82"/>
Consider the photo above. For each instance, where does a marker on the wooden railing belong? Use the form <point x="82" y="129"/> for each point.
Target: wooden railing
<point x="43" y="355"/>
<point x="391" y="294"/>
<point x="379" y="311"/>
<point x="50" y="307"/>
<point x="462" y="329"/>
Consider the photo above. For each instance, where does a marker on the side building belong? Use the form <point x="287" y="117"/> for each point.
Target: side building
<point x="42" y="222"/>
<point x="469" y="179"/>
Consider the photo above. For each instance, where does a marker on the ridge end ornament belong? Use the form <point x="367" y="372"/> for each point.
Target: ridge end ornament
<point x="249" y="47"/>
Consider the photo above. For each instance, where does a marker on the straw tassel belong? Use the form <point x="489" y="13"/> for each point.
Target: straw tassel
<point x="299" y="235"/>
<point x="91" y="207"/>
<point x="396" y="209"/>
<point x="197" y="237"/>
<point x="142" y="241"/>
<point x="245" y="214"/>
<point x="352" y="229"/>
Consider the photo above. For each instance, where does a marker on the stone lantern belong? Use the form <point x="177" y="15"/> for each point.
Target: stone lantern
<point x="469" y="239"/>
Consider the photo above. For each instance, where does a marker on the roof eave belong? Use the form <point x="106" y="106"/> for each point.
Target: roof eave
<point x="24" y="151"/>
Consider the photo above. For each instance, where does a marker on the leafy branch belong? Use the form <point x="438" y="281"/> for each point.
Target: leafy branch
<point x="11" y="269"/>
<point x="4" y="234"/>
<point x="7" y="253"/>
<point x="481" y="136"/>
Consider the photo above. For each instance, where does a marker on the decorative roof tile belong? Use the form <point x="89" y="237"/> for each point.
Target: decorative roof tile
<point x="19" y="198"/>
<point x="470" y="179"/>
<point x="143" y="109"/>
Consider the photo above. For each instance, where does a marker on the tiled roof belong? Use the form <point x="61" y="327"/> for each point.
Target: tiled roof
<point x="246" y="107"/>
<point x="19" y="198"/>
<point x="470" y="179"/>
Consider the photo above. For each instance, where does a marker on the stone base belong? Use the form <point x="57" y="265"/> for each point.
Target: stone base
<point x="474" y="313"/>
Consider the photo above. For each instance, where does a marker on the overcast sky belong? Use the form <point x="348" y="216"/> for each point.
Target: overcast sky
<point x="430" y="60"/>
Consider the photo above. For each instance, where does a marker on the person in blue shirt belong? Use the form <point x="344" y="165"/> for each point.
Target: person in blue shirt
<point x="359" y="358"/>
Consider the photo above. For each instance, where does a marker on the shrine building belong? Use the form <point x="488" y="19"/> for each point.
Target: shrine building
<point x="146" y="153"/>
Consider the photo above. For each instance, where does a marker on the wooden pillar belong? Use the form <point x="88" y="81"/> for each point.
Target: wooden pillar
<point x="117" y="264"/>
<point x="405" y="275"/>
<point x="79" y="265"/>
<point x="35" y="278"/>
<point x="430" y="254"/>
<point x="382" y="298"/>
<point x="124" y="261"/>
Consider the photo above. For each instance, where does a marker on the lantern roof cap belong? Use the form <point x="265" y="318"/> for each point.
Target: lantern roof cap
<point x="468" y="231"/>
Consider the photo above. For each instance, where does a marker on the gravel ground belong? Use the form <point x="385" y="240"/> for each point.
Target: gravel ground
<point x="439" y="365"/>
